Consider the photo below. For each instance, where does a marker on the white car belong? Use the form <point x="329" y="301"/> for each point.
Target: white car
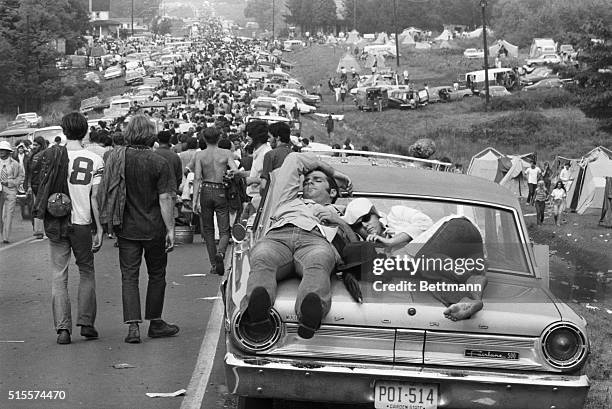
<point x="289" y="102"/>
<point x="544" y="59"/>
<point x="497" y="91"/>
<point x="92" y="76"/>
<point x="302" y="95"/>
<point x="113" y="72"/>
<point x="32" y="118"/>
<point x="49" y="133"/>
<point x="473" y="53"/>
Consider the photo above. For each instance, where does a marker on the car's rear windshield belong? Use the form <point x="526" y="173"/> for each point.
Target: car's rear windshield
<point x="504" y="250"/>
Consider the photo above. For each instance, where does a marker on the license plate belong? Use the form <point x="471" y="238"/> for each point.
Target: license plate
<point x="401" y="395"/>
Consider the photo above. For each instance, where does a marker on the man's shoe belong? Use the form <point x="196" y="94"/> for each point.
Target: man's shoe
<point x="311" y="316"/>
<point x="88" y="331"/>
<point x="160" y="329"/>
<point x="63" y="337"/>
<point x="219" y="264"/>
<point x="133" y="336"/>
<point x="257" y="323"/>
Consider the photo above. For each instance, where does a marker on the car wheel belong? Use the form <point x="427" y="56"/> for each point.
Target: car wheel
<point x="245" y="402"/>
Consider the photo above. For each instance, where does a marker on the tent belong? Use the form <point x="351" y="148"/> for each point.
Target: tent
<point x="476" y="33"/>
<point x="348" y="61"/>
<point x="512" y="49"/>
<point x="353" y="37"/>
<point x="422" y="46"/>
<point x="491" y="164"/>
<point x="407" y="40"/>
<point x="381" y="39"/>
<point x="446" y="35"/>
<point x="586" y="191"/>
<point x="331" y="40"/>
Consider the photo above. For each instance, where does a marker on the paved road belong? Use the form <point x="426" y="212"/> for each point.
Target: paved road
<point x="84" y="369"/>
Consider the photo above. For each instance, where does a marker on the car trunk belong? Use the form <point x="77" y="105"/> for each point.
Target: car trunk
<point x="410" y="328"/>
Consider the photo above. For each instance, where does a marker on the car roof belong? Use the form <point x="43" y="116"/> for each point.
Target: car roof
<point x="422" y="182"/>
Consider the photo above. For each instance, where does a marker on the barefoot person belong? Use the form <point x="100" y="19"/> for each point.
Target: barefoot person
<point x="403" y="224"/>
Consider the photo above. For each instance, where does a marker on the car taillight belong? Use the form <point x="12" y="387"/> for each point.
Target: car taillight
<point x="564" y="346"/>
<point x="257" y="342"/>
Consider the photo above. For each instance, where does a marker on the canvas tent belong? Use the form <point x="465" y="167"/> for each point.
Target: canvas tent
<point x="381" y="39"/>
<point x="445" y="36"/>
<point x="507" y="170"/>
<point x="331" y="40"/>
<point x="512" y="49"/>
<point x="586" y="192"/>
<point x="353" y="37"/>
<point x="407" y="40"/>
<point x="348" y="61"/>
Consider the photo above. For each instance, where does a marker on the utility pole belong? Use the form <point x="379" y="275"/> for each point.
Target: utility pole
<point x="483" y="5"/>
<point x="132" y="18"/>
<point x="397" y="54"/>
<point x="27" y="64"/>
<point x="354" y="14"/>
<point x="273" y="18"/>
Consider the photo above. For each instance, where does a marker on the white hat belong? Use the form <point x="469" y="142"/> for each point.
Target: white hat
<point x="5" y="146"/>
<point x="358" y="208"/>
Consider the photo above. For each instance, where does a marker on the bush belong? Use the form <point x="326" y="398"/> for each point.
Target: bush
<point x="84" y="90"/>
<point x="531" y="101"/>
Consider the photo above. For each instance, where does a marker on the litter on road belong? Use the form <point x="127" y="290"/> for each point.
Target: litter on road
<point x="123" y="366"/>
<point x="166" y="394"/>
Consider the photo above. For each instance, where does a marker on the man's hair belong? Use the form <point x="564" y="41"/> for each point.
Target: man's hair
<point x="41" y="141"/>
<point x="225" y="144"/>
<point x="140" y="131"/>
<point x="164" y="137"/>
<point x="118" y="139"/>
<point x="306" y="141"/>
<point x="212" y="135"/>
<point x="75" y="126"/>
<point x="281" y="130"/>
<point x="331" y="182"/>
<point x="258" y="131"/>
<point x="202" y="143"/>
<point x="192" y="143"/>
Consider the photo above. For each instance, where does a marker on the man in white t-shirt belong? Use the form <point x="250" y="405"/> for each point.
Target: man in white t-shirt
<point x="565" y="176"/>
<point x="84" y="175"/>
<point x="532" y="174"/>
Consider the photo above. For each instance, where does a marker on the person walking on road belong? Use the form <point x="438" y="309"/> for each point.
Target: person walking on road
<point x="329" y="126"/>
<point x="533" y="174"/>
<point x="33" y="165"/>
<point x="211" y="166"/>
<point x="11" y="176"/>
<point x="136" y="197"/>
<point x="66" y="201"/>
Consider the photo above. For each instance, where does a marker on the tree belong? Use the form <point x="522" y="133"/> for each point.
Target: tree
<point x="324" y="14"/>
<point x="161" y="26"/>
<point x="593" y="77"/>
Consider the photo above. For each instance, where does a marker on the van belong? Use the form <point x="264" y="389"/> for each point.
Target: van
<point x="372" y="99"/>
<point x="497" y="76"/>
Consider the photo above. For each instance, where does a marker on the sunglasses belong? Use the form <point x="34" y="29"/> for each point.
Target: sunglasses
<point x="364" y="219"/>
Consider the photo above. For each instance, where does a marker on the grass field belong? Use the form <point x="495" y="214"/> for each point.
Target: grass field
<point x="459" y="129"/>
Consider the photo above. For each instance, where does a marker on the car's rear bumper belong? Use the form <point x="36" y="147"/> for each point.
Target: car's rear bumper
<point x="354" y="383"/>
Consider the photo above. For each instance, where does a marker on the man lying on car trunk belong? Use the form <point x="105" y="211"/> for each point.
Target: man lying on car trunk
<point x="297" y="243"/>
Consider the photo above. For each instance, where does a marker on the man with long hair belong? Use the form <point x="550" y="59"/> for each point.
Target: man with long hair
<point x="136" y="197"/>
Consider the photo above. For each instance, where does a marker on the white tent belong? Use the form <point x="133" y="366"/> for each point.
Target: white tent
<point x="348" y="61"/>
<point x="407" y="40"/>
<point x="446" y="35"/>
<point x="331" y="40"/>
<point x="422" y="45"/>
<point x="586" y="191"/>
<point x="353" y="37"/>
<point x="512" y="49"/>
<point x="507" y="170"/>
<point x="476" y="33"/>
<point x="382" y="38"/>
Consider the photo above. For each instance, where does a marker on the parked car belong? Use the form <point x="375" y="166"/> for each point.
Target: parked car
<point x="309" y="99"/>
<point x="290" y="101"/>
<point x="531" y="75"/>
<point x="546" y="83"/>
<point x="496" y="91"/>
<point x="473" y="53"/>
<point x="32" y="118"/>
<point x="524" y="349"/>
<point x="567" y="51"/>
<point x="13" y="135"/>
<point x="544" y="59"/>
<point x="113" y="72"/>
<point x="371" y="99"/>
<point x="449" y="94"/>
<point x="91" y="76"/>
<point x="407" y="99"/>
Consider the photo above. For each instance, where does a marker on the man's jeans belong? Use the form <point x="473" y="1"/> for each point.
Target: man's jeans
<point x="79" y="240"/>
<point x="8" y="198"/>
<point x="213" y="200"/>
<point x="156" y="259"/>
<point x="531" y="195"/>
<point x="290" y="250"/>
